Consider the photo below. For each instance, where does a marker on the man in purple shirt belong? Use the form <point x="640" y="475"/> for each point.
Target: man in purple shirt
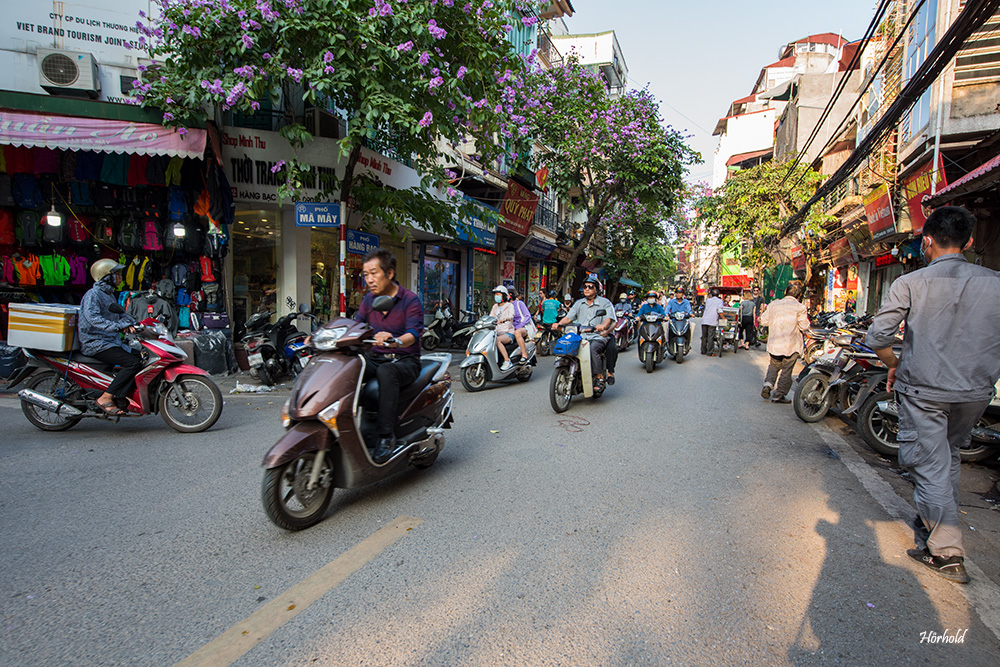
<point x="395" y="357"/>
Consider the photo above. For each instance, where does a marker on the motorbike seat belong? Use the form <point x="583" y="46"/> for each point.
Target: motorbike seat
<point x="370" y="392"/>
<point x="93" y="362"/>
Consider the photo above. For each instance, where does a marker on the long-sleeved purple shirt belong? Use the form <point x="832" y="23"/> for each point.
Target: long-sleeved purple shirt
<point x="406" y="316"/>
<point x="521" y="315"/>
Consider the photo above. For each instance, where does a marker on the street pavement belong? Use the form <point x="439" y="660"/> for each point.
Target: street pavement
<point x="679" y="519"/>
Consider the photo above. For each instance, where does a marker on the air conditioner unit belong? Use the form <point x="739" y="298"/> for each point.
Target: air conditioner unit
<point x="68" y="73"/>
<point x="321" y="123"/>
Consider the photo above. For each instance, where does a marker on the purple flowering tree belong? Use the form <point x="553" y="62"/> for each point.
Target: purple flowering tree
<point x="613" y="154"/>
<point x="406" y="75"/>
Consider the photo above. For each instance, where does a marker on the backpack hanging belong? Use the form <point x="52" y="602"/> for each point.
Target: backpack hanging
<point x="26" y="193"/>
<point x="78" y="229"/>
<point x="7" y="233"/>
<point x="53" y="234"/>
<point x="28" y="233"/>
<point x="151" y="235"/>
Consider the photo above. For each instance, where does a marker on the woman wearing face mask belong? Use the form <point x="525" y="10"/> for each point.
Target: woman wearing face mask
<point x="503" y="310"/>
<point x="651" y="305"/>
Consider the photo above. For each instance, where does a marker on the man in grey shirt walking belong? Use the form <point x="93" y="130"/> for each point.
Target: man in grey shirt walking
<point x="943" y="378"/>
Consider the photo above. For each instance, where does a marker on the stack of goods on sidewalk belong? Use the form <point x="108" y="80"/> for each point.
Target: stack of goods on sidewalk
<point x="165" y="218"/>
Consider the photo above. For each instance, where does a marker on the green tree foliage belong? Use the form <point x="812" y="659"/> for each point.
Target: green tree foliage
<point x="613" y="154"/>
<point x="748" y="210"/>
<point x="418" y="72"/>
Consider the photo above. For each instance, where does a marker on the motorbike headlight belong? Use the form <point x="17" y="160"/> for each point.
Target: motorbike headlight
<point x="286" y="417"/>
<point x="329" y="417"/>
<point x="326" y="339"/>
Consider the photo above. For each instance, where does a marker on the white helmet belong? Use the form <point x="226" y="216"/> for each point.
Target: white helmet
<point x="501" y="289"/>
<point x="104" y="267"/>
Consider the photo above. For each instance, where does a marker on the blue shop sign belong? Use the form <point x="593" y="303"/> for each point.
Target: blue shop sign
<point x="361" y="243"/>
<point x="537" y="248"/>
<point x="314" y="214"/>
<point x="479" y="228"/>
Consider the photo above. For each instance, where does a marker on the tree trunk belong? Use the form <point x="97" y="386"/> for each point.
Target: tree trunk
<point x="593" y="222"/>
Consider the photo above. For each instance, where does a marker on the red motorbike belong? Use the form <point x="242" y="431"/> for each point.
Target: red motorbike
<point x="62" y="388"/>
<point x="625" y="329"/>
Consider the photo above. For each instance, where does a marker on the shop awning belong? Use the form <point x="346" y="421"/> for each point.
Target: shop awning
<point x="536" y="247"/>
<point x="630" y="283"/>
<point x="982" y="177"/>
<point x="743" y="157"/>
<point x="97" y="134"/>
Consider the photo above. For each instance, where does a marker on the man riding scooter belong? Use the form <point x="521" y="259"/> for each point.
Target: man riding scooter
<point x="584" y="312"/>
<point x="681" y="305"/>
<point x="395" y="357"/>
<point x="100" y="334"/>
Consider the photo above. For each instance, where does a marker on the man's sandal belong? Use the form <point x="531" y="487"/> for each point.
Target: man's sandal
<point x="110" y="409"/>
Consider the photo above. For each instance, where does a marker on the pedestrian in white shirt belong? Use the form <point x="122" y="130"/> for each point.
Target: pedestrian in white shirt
<point x="710" y="321"/>
<point x="786" y="320"/>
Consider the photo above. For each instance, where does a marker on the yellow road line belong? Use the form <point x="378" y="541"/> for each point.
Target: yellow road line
<point x="232" y="644"/>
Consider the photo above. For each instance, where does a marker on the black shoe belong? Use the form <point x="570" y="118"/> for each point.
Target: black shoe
<point x="522" y="361"/>
<point x="611" y="378"/>
<point x="952" y="569"/>
<point x="781" y="400"/>
<point x="765" y="393"/>
<point x="384" y="449"/>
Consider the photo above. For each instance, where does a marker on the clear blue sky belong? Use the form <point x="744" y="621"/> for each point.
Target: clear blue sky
<point x="697" y="57"/>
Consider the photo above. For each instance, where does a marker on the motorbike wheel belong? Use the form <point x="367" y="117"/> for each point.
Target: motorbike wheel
<point x="192" y="404"/>
<point x="265" y="375"/>
<point x="808" y="400"/>
<point x="52" y="384"/>
<point x="474" y="377"/>
<point x="879" y="430"/>
<point x="561" y="389"/>
<point x="650" y="362"/>
<point x="977" y="451"/>
<point x="642" y="354"/>
<point x="812" y="351"/>
<point x="544" y="346"/>
<point x="287" y="501"/>
<point x="524" y="374"/>
<point x="679" y="352"/>
<point x="429" y="343"/>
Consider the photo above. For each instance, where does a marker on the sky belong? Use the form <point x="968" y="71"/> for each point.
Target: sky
<point x="697" y="57"/>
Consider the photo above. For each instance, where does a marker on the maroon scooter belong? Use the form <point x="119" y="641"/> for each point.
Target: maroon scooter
<point x="330" y="422"/>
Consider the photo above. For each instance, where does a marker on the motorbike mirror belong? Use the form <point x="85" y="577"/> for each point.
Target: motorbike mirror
<point x="116" y="309"/>
<point x="601" y="313"/>
<point x="303" y="308"/>
<point x="383" y="303"/>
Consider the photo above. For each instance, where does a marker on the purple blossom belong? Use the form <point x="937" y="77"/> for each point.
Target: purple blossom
<point x="294" y="73"/>
<point x="255" y="105"/>
<point x="405" y="46"/>
<point x="529" y="20"/>
<point x="434" y="83"/>
<point x="213" y="87"/>
<point x="246" y="71"/>
<point x="277" y="166"/>
<point x="329" y="69"/>
<point x="247" y="42"/>
<point x="461" y="72"/>
<point x="182" y="131"/>
<point x="194" y="31"/>
<point x="167" y="117"/>
<point x="424" y="58"/>
<point x="436" y="32"/>
<point x="327" y="57"/>
<point x="426" y="120"/>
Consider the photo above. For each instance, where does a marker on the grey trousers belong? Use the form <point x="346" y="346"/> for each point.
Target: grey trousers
<point x="930" y="436"/>
<point x="784" y="366"/>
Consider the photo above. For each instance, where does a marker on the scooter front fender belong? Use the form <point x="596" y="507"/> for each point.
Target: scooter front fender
<point x="472" y="360"/>
<point x="171" y="373"/>
<point x="302" y="438"/>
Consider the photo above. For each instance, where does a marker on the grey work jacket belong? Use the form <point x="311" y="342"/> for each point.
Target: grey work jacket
<point x="99" y="328"/>
<point x="951" y="343"/>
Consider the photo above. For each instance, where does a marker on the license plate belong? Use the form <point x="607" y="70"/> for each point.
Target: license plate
<point x="304" y="361"/>
<point x="256" y="359"/>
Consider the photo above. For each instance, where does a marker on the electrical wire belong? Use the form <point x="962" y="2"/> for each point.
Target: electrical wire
<point x="838" y="91"/>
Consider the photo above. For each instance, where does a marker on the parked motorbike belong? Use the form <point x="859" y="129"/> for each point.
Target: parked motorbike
<point x="878" y="423"/>
<point x="679" y="336"/>
<point x="834" y="379"/>
<point x="444" y="331"/>
<point x="62" y="388"/>
<point x="273" y="349"/>
<point x="572" y="373"/>
<point x="651" y="342"/>
<point x="330" y="425"/>
<point x="624" y="329"/>
<point x="482" y="359"/>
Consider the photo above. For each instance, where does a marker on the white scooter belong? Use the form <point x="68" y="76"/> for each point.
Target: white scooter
<point x="482" y="360"/>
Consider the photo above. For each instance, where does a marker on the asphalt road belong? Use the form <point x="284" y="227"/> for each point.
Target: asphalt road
<point x="679" y="520"/>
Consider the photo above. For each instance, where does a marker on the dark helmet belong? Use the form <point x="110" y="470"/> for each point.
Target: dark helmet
<point x="714" y="291"/>
<point x="553" y="294"/>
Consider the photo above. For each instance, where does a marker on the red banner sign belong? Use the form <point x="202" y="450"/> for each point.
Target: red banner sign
<point x="841" y="253"/>
<point x="878" y="208"/>
<point x="518" y="209"/>
<point x="742" y="280"/>
<point x="798" y="259"/>
<point x="918" y="185"/>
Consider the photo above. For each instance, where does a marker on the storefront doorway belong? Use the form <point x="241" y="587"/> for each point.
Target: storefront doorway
<point x="441" y="278"/>
<point x="256" y="237"/>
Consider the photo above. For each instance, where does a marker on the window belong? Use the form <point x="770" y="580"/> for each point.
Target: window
<point x="979" y="59"/>
<point x="920" y="39"/>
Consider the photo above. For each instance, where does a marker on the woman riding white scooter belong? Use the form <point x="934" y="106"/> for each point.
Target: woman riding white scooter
<point x="503" y="310"/>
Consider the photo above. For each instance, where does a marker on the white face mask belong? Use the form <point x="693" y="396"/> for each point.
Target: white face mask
<point x="497" y="298"/>
<point x="651" y="301"/>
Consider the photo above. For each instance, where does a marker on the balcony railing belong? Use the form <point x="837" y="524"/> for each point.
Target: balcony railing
<point x="546" y="218"/>
<point x="548" y="50"/>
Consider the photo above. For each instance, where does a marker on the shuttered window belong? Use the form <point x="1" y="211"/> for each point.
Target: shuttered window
<point x="979" y="59"/>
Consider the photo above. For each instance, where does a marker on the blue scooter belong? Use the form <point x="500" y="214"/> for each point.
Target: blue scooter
<point x="572" y="373"/>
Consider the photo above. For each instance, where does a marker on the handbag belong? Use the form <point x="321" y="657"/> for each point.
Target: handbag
<point x="531" y="329"/>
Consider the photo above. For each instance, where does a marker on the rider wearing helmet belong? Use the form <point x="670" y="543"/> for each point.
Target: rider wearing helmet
<point x="503" y="310"/>
<point x="584" y="313"/>
<point x="680" y="305"/>
<point x="100" y="333"/>
<point x="651" y="305"/>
